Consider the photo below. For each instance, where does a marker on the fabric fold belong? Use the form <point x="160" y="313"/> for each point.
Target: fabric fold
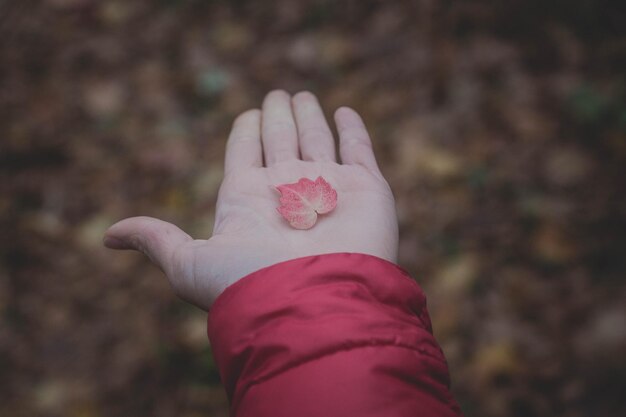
<point x="296" y="313"/>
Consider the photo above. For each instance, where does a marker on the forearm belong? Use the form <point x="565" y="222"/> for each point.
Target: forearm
<point x="333" y="335"/>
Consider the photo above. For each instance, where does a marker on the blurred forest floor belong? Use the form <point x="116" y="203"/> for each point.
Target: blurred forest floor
<point x="500" y="125"/>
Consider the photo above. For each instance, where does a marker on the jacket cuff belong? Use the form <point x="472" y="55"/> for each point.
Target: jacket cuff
<point x="296" y="311"/>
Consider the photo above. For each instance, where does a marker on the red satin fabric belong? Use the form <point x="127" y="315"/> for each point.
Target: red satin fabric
<point x="340" y="334"/>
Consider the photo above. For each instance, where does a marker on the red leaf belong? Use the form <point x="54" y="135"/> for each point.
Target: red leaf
<point x="301" y="202"/>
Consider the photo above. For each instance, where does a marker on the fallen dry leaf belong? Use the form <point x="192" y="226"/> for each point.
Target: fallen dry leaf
<point x="301" y="202"/>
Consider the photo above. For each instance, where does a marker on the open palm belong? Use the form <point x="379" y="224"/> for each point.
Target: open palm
<point x="287" y="140"/>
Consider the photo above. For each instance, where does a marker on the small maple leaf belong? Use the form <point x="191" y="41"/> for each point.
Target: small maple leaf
<point x="301" y="202"/>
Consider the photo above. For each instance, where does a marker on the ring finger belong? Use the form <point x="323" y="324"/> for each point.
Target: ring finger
<point x="316" y="139"/>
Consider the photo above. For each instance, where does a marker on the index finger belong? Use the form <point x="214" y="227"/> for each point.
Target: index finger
<point x="243" y="149"/>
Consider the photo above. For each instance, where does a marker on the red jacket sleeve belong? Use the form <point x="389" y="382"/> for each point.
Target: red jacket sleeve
<point x="341" y="334"/>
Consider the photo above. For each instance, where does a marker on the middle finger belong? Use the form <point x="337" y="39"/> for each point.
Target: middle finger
<point x="278" y="129"/>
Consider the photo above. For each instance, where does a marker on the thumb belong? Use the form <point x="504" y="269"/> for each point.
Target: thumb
<point x="156" y="239"/>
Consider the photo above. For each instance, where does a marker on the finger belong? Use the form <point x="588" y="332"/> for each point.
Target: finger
<point x="355" y="145"/>
<point x="243" y="149"/>
<point x="278" y="129"/>
<point x="314" y="135"/>
<point x="157" y="239"/>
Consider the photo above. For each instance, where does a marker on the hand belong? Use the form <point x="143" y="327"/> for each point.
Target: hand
<point x="293" y="138"/>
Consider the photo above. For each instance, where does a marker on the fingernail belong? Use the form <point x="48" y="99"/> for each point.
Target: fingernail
<point x="114" y="243"/>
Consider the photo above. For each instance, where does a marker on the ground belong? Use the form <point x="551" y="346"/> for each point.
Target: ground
<point x="500" y="126"/>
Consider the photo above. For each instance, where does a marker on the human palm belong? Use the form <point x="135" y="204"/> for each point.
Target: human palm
<point x="263" y="151"/>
